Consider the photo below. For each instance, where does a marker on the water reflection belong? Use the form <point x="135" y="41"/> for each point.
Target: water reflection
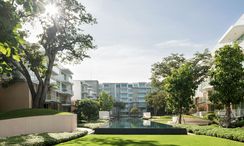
<point x="133" y="123"/>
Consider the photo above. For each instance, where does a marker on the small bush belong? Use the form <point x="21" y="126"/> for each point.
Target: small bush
<point x="239" y="123"/>
<point x="236" y="134"/>
<point x="88" y="109"/>
<point x="210" y="116"/>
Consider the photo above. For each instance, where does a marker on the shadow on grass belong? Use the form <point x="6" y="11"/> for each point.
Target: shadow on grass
<point x="115" y="142"/>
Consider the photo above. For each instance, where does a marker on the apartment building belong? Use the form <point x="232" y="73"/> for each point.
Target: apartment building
<point x="85" y="89"/>
<point x="234" y="34"/>
<point x="60" y="96"/>
<point x="17" y="96"/>
<point x="132" y="94"/>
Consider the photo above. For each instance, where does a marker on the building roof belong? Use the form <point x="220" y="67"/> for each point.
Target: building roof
<point x="234" y="32"/>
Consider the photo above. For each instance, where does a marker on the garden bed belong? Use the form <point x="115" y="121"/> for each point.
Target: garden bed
<point x="236" y="134"/>
<point x="42" y="139"/>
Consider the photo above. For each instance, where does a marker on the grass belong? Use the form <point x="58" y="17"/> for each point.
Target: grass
<point x="166" y="119"/>
<point x="150" y="140"/>
<point x="93" y="124"/>
<point x="29" y="112"/>
<point x="42" y="139"/>
<point x="161" y="119"/>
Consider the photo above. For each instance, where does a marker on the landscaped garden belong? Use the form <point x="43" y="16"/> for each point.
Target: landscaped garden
<point x="41" y="139"/>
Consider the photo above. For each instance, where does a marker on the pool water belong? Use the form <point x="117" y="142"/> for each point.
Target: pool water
<point x="129" y="122"/>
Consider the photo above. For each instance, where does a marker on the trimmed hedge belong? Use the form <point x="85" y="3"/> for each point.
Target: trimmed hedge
<point x="43" y="139"/>
<point x="236" y="134"/>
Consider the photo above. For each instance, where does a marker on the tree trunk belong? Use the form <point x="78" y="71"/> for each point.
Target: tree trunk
<point x="228" y="115"/>
<point x="155" y="111"/>
<point x="180" y="115"/>
<point x="43" y="93"/>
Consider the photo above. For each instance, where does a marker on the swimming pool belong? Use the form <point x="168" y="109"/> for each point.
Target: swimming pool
<point x="133" y="123"/>
<point x="137" y="126"/>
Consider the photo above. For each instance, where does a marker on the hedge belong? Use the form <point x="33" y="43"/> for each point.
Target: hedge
<point x="236" y="134"/>
<point x="43" y="139"/>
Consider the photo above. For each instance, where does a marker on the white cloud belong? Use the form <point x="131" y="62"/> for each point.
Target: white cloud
<point x="180" y="44"/>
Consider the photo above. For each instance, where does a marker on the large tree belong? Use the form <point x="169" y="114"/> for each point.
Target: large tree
<point x="62" y="39"/>
<point x="164" y="73"/>
<point x="227" y="78"/>
<point x="105" y="101"/>
<point x="156" y="101"/>
<point x="180" y="86"/>
<point x="161" y="70"/>
<point x="118" y="105"/>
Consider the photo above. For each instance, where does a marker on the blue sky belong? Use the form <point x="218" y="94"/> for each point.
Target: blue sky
<point x="131" y="35"/>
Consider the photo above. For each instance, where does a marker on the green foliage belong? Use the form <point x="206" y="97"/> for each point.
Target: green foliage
<point x="178" y="78"/>
<point x="239" y="123"/>
<point x="134" y="110"/>
<point x="180" y="87"/>
<point x="105" y="101"/>
<point x="157" y="101"/>
<point x="62" y="39"/>
<point x="9" y="22"/>
<point x="42" y="139"/>
<point x="118" y="106"/>
<point x="87" y="109"/>
<point x="236" y="134"/>
<point x="210" y="116"/>
<point x="161" y="70"/>
<point x="29" y="112"/>
<point x="227" y="77"/>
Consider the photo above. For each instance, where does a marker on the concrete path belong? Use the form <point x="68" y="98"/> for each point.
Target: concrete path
<point x="90" y="131"/>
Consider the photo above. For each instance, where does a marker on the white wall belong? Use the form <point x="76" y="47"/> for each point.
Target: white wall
<point x="77" y="90"/>
<point x="38" y="124"/>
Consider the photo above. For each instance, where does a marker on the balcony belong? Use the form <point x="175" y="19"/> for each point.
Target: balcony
<point x="65" y="91"/>
<point x="67" y="101"/>
<point x="63" y="79"/>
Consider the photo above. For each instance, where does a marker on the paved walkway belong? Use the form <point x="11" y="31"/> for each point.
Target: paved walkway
<point x="90" y="131"/>
<point x="193" y="121"/>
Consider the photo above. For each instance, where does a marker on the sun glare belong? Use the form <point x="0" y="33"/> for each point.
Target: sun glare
<point x="51" y="9"/>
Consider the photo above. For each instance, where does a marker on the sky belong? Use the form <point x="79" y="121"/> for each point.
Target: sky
<point x="131" y="35"/>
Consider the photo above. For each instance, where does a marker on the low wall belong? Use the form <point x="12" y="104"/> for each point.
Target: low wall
<point x="104" y="115"/>
<point x="38" y="124"/>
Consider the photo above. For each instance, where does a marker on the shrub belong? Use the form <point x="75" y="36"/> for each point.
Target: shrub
<point x="43" y="139"/>
<point x="236" y="134"/>
<point x="134" y="111"/>
<point x="87" y="109"/>
<point x="210" y="116"/>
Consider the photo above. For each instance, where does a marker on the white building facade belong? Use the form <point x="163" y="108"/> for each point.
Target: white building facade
<point x="132" y="94"/>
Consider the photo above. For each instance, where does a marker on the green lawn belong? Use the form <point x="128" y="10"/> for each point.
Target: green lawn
<point x="29" y="112"/>
<point x="151" y="140"/>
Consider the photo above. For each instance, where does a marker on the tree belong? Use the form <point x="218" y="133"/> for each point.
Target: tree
<point x="156" y="100"/>
<point x="9" y="23"/>
<point x="134" y="110"/>
<point x="62" y="40"/>
<point x="161" y="70"/>
<point x="118" y="106"/>
<point x="105" y="101"/>
<point x="173" y="71"/>
<point x="180" y="87"/>
<point x="227" y="78"/>
<point x="87" y="109"/>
